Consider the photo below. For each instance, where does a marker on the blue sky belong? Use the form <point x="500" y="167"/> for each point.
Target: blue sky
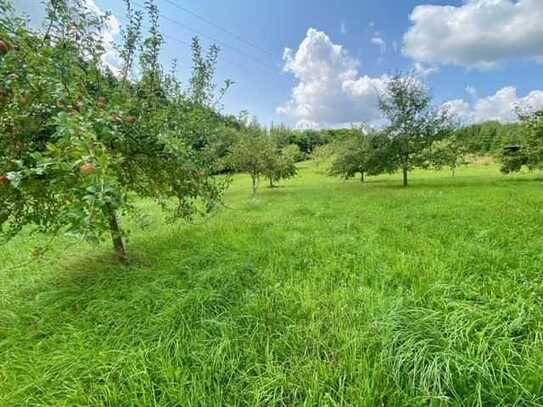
<point x="481" y="57"/>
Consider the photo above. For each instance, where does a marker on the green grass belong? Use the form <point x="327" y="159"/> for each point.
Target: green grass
<point x="318" y="293"/>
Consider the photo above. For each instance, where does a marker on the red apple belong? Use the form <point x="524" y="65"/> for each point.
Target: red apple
<point x="87" y="169"/>
<point x="3" y="47"/>
<point x="4" y="180"/>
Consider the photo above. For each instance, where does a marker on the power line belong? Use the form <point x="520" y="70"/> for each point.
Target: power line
<point x="224" y="44"/>
<point x="227" y="31"/>
<point x="221" y="59"/>
<point x="167" y="36"/>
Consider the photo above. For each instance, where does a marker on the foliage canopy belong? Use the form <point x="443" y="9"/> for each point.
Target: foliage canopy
<point x="80" y="142"/>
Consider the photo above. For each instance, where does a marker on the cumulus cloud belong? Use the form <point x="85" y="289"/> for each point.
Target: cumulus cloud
<point x="35" y="12"/>
<point x="459" y="109"/>
<point x="501" y="106"/>
<point x="330" y="91"/>
<point x="477" y="34"/>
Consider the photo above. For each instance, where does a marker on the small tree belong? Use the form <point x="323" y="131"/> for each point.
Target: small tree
<point x="251" y="154"/>
<point x="364" y="153"/>
<point x="352" y="157"/>
<point x="293" y="153"/>
<point x="445" y="153"/>
<point x="414" y="124"/>
<point x="281" y="164"/>
<point x="257" y="154"/>
<point x="322" y="154"/>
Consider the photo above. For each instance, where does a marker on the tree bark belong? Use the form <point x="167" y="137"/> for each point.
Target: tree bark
<point x="116" y="236"/>
<point x="404" y="177"/>
<point x="362" y="176"/>
<point x="254" y="183"/>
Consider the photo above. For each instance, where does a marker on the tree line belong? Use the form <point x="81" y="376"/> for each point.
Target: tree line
<point x="437" y="141"/>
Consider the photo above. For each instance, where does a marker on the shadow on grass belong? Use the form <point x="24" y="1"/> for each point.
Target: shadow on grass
<point x="200" y="272"/>
<point x="451" y="183"/>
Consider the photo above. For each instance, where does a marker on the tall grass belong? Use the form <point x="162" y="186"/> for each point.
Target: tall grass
<point x="320" y="292"/>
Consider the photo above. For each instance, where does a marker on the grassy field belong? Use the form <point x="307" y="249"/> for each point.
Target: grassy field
<point x="320" y="292"/>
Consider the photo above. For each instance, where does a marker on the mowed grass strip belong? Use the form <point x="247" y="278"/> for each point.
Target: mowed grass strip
<point x="320" y="292"/>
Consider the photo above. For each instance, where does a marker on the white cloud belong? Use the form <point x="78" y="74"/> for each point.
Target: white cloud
<point x="380" y="42"/>
<point x="35" y="11"/>
<point x="330" y="90"/>
<point x="501" y="106"/>
<point x="111" y="29"/>
<point x="479" y="33"/>
<point x="459" y="109"/>
<point x="424" y="70"/>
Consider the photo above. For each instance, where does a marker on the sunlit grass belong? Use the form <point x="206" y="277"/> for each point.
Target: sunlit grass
<point x="320" y="292"/>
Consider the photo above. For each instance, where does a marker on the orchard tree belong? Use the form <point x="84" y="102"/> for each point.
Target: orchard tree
<point x="280" y="164"/>
<point x="322" y="154"/>
<point x="364" y="153"/>
<point x="530" y="152"/>
<point x="257" y="154"/>
<point x="448" y="152"/>
<point x="352" y="157"/>
<point x="292" y="153"/>
<point x="79" y="143"/>
<point x="251" y="153"/>
<point x="413" y="123"/>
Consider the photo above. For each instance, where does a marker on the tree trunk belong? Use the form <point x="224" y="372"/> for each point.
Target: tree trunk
<point x="254" y="183"/>
<point x="404" y="177"/>
<point x="116" y="235"/>
<point x="362" y="176"/>
<point x="271" y="182"/>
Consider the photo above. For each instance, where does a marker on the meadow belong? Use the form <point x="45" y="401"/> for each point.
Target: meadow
<point x="318" y="292"/>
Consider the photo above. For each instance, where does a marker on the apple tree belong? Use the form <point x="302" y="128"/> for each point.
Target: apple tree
<point x="280" y="164"/>
<point x="251" y="153"/>
<point x="364" y="152"/>
<point x="448" y="152"/>
<point x="413" y="123"/>
<point x="81" y="142"/>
